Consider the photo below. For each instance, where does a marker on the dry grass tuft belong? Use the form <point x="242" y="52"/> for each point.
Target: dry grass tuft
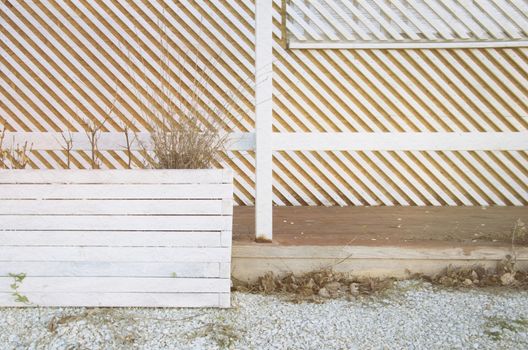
<point x="223" y="334"/>
<point x="3" y="152"/>
<point x="315" y="286"/>
<point x="325" y="284"/>
<point x="93" y="129"/>
<point x="186" y="131"/>
<point x="186" y="145"/>
<point x="15" y="156"/>
<point x="506" y="273"/>
<point x="519" y="232"/>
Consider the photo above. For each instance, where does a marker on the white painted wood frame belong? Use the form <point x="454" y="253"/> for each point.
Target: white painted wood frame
<point x="310" y="141"/>
<point x="432" y="127"/>
<point x="263" y="122"/>
<point x="273" y="141"/>
<point x="410" y="45"/>
<point x="406" y="24"/>
<point x="148" y="238"/>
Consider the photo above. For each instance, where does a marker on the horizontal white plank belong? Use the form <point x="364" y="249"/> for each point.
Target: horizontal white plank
<point x="237" y="141"/>
<point x="112" y="238"/>
<point x="120" y="299"/>
<point x="226" y="238"/>
<point x="117" y="285"/>
<point x="115" y="269"/>
<point x="117" y="223"/>
<point x="111" y="176"/>
<point x="410" y="141"/>
<point x="405" y="45"/>
<point x="349" y="252"/>
<point x="116" y="254"/>
<point x="142" y="191"/>
<point x="225" y="270"/>
<point x="115" y="207"/>
<point x="354" y="141"/>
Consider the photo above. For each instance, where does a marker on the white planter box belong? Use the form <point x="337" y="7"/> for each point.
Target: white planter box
<point x="156" y="238"/>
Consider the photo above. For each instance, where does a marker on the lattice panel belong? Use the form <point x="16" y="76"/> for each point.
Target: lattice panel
<point x="400" y="91"/>
<point x="67" y="61"/>
<point x="406" y="20"/>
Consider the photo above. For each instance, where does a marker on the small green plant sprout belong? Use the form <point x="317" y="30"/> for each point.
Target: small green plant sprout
<point x="495" y="327"/>
<point x="18" y="278"/>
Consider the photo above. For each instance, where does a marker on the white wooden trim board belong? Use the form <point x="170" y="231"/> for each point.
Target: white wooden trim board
<point x="116" y="237"/>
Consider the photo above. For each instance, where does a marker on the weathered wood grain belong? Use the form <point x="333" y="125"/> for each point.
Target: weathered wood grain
<point x="117" y="285"/>
<point x="116" y="254"/>
<point x="113" y="238"/>
<point x="116" y="238"/>
<point x="120" y="299"/>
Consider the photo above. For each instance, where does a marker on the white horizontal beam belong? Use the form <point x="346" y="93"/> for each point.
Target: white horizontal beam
<point x="54" y="141"/>
<point x="406" y="45"/>
<point x="409" y="141"/>
<point x="333" y="141"/>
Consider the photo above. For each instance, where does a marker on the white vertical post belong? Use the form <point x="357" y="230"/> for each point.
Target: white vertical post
<point x="263" y="123"/>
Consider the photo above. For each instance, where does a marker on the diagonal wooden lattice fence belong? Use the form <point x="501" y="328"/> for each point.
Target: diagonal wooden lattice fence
<point x="405" y="23"/>
<point x="435" y="126"/>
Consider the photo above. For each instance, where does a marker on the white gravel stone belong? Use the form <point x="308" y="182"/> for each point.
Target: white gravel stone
<point x="413" y="316"/>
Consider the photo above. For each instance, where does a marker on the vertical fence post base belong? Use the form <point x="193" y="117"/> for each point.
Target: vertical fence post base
<point x="263" y="123"/>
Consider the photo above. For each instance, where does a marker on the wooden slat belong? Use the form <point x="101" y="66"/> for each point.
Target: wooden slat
<point x="120" y="299"/>
<point x="116" y="285"/>
<point x="115" y="254"/>
<point x="422" y="89"/>
<point x="116" y="191"/>
<point x="227" y="238"/>
<point x="405" y="21"/>
<point x="139" y="242"/>
<point x="237" y="141"/>
<point x="114" y="207"/>
<point x="120" y="223"/>
<point x="114" y="238"/>
<point x="337" y="253"/>
<point x="225" y="270"/>
<point x="114" y="269"/>
<point x="111" y="176"/>
<point x="408" y="141"/>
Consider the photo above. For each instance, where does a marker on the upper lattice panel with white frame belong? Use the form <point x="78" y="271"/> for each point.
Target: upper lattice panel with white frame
<point x="404" y="23"/>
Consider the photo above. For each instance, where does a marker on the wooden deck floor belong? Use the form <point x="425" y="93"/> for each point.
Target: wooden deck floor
<point x="376" y="226"/>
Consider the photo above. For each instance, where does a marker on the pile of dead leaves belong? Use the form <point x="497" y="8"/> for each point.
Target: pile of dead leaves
<point x="325" y="284"/>
<point x="505" y="274"/>
<point x="316" y="285"/>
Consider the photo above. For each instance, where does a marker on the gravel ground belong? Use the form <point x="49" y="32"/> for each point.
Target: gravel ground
<point x="413" y="316"/>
